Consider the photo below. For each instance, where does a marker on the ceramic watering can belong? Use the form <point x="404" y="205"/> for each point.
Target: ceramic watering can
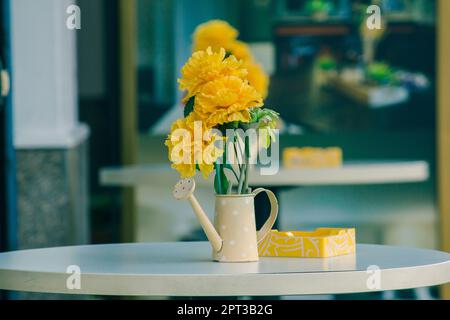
<point x="233" y="236"/>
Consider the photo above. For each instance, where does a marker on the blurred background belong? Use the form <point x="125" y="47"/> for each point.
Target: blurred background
<point x="84" y="124"/>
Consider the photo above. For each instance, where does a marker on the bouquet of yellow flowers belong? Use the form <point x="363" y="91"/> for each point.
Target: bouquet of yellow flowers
<point x="219" y="34"/>
<point x="220" y="104"/>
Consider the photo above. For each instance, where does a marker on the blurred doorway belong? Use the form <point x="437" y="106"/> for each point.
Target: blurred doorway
<point x="7" y="177"/>
<point x="2" y="142"/>
<point x="443" y="131"/>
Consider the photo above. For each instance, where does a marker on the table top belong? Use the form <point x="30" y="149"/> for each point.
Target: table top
<point x="186" y="269"/>
<point x="350" y="173"/>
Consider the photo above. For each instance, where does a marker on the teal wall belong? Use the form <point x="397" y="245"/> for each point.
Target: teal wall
<point x="189" y="14"/>
<point x="165" y="29"/>
<point x="256" y="20"/>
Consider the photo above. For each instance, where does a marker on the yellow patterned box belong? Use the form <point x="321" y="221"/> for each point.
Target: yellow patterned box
<point x="309" y="157"/>
<point x="321" y="243"/>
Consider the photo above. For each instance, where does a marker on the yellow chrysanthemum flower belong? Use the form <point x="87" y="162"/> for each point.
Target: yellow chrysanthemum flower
<point x="258" y="78"/>
<point x="215" y="34"/>
<point x="240" y="50"/>
<point x="206" y="66"/>
<point x="218" y="34"/>
<point x="226" y="99"/>
<point x="191" y="143"/>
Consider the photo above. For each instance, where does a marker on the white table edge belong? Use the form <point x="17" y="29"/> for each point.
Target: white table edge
<point x="335" y="282"/>
<point x="228" y="285"/>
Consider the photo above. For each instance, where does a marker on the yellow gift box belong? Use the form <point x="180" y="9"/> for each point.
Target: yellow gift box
<point x="321" y="243"/>
<point x="309" y="157"/>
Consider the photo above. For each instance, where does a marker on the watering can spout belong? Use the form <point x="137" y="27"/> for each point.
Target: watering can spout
<point x="184" y="189"/>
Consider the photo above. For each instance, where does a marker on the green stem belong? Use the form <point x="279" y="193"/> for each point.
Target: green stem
<point x="247" y="170"/>
<point x="224" y="155"/>
<point x="240" y="150"/>
<point x="247" y="164"/>
<point x="230" y="188"/>
<point x="241" y="180"/>
<point x="219" y="178"/>
<point x="234" y="173"/>
<point x="237" y="153"/>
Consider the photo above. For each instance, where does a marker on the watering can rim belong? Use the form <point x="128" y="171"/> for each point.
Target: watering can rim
<point x="235" y="195"/>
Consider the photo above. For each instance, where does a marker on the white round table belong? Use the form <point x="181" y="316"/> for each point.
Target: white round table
<point x="185" y="269"/>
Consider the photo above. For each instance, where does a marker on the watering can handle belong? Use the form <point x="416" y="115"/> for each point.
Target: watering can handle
<point x="265" y="229"/>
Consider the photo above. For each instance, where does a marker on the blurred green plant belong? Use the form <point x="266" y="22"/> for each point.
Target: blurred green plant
<point x="380" y="73"/>
<point x="326" y="62"/>
<point x="319" y="6"/>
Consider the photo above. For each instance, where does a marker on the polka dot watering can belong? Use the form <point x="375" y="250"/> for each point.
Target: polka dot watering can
<point x="233" y="236"/>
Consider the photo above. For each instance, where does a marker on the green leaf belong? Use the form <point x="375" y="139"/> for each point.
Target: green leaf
<point x="229" y="167"/>
<point x="265" y="119"/>
<point x="189" y="107"/>
<point x="225" y="182"/>
<point x="258" y="115"/>
<point x="265" y="138"/>
<point x="220" y="180"/>
<point x="228" y="125"/>
<point x="247" y="147"/>
<point x="217" y="179"/>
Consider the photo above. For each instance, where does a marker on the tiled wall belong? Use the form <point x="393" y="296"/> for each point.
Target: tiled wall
<point x="52" y="197"/>
<point x="52" y="202"/>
